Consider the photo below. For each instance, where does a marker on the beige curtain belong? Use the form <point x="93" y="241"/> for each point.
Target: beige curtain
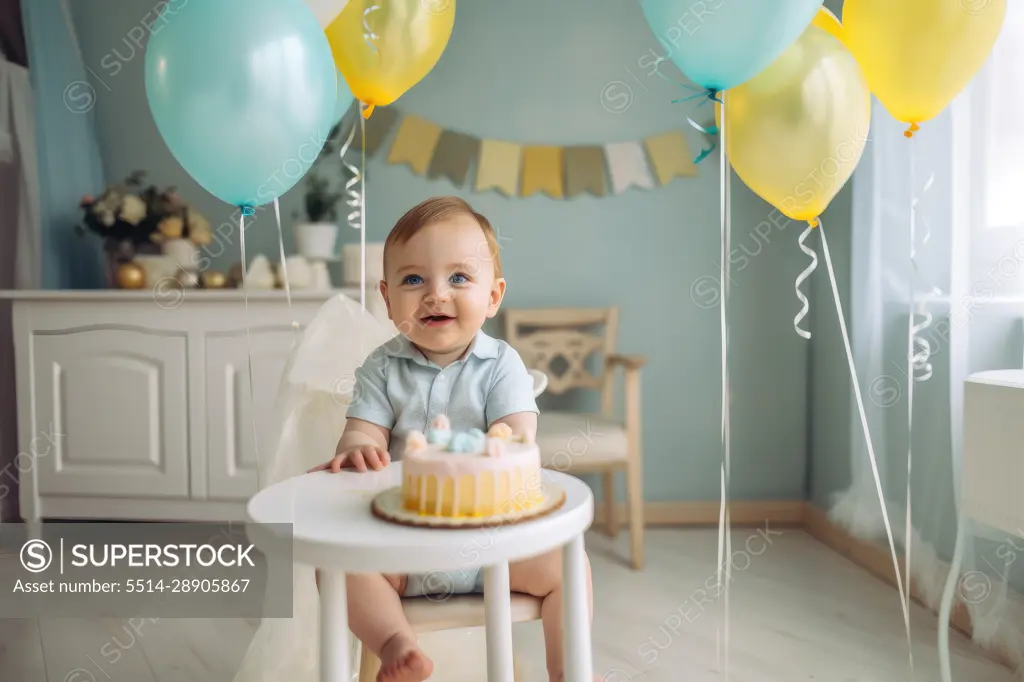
<point x="19" y="249"/>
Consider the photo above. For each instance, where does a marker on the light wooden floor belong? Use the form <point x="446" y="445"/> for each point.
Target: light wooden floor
<point x="798" y="612"/>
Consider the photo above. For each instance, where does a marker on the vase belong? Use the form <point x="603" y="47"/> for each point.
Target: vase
<point x="185" y="255"/>
<point x="352" y="263"/>
<point x="118" y="252"/>
<point x="316" y="241"/>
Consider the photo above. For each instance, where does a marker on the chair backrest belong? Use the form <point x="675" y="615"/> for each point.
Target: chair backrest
<point x="542" y="336"/>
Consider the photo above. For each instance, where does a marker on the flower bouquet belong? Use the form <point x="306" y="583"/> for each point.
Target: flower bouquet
<point x="135" y="219"/>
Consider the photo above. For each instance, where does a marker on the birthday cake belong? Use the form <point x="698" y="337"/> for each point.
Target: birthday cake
<point x="470" y="474"/>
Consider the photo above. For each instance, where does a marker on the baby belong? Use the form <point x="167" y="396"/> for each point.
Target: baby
<point x="442" y="280"/>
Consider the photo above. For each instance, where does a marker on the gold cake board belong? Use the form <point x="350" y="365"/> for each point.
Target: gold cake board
<point x="387" y="505"/>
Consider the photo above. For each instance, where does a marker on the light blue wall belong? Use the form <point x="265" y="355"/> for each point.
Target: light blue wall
<point x="829" y="390"/>
<point x="533" y="71"/>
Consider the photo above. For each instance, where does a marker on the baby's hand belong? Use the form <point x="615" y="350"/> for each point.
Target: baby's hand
<point x="358" y="458"/>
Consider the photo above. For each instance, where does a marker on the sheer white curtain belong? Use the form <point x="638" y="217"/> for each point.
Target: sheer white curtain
<point x="19" y="211"/>
<point x="962" y="176"/>
<point x="20" y="255"/>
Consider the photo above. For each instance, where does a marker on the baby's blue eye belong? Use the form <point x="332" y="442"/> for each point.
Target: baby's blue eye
<point x="458" y="278"/>
<point x="412" y="279"/>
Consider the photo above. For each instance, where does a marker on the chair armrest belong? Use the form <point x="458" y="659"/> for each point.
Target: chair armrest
<point x="630" y="362"/>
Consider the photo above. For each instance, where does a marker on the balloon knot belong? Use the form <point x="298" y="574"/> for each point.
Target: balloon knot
<point x="910" y="131"/>
<point x="248" y="210"/>
<point x="367" y="110"/>
<point x="814" y="222"/>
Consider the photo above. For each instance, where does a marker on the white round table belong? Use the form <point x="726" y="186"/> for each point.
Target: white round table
<point x="333" y="529"/>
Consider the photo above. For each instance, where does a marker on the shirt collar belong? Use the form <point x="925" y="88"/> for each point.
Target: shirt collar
<point x="483" y="346"/>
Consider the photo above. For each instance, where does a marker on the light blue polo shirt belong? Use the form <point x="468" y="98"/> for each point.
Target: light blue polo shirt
<point x="399" y="389"/>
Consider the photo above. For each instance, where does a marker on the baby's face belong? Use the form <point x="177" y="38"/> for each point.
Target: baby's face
<point x="440" y="285"/>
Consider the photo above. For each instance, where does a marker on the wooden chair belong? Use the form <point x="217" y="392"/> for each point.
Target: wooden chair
<point x="587" y="443"/>
<point x="459" y="612"/>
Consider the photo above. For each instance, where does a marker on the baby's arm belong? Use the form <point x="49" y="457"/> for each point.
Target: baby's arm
<point x="510" y="396"/>
<point x="370" y="419"/>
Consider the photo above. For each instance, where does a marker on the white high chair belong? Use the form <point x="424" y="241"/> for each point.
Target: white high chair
<point x="459" y="612"/>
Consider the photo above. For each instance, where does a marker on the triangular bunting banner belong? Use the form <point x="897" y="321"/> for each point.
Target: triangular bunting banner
<point x="523" y="170"/>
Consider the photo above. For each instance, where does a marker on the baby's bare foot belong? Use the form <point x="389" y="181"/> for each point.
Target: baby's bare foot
<point x="402" y="661"/>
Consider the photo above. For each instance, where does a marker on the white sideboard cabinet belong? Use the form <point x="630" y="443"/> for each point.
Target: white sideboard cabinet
<point x="133" y="410"/>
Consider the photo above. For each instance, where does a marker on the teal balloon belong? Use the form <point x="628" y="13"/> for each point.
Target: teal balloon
<point x="345" y="99"/>
<point x="719" y="44"/>
<point x="243" y="92"/>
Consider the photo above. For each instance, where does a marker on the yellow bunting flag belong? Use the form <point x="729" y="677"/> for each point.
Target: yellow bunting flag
<point x="542" y="171"/>
<point x="670" y="156"/>
<point x="417" y="138"/>
<point x="498" y="167"/>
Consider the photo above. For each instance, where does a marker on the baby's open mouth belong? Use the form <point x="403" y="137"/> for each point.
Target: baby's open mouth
<point x="436" y="319"/>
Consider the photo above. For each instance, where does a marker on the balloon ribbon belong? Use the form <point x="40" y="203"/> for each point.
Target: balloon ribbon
<point x="357" y="198"/>
<point x="284" y="264"/>
<point x="904" y="602"/>
<point x="803" y="277"/>
<point x="724" y="534"/>
<point x="248" y="211"/>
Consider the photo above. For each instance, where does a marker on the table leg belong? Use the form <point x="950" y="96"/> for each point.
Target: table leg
<point x="576" y="613"/>
<point x="498" y="617"/>
<point x="946" y="608"/>
<point x="334" y="637"/>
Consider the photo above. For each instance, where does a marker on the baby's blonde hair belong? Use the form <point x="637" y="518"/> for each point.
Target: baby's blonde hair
<point x="433" y="210"/>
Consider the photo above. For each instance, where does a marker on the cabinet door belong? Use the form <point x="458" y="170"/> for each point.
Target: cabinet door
<point x="114" y="405"/>
<point x="231" y="453"/>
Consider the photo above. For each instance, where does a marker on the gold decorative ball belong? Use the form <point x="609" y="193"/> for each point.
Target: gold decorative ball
<point x="214" y="280"/>
<point x="131" y="276"/>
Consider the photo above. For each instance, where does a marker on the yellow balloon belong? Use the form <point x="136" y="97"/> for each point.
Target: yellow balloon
<point x="385" y="47"/>
<point x="919" y="54"/>
<point x="795" y="132"/>
<point x="827" y="21"/>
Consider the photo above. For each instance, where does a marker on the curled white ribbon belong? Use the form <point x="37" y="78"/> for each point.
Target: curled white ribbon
<point x="919" y="361"/>
<point x="919" y="369"/>
<point x="357" y="198"/>
<point x="920" y="348"/>
<point x="801" y="278"/>
<point x="368" y="35"/>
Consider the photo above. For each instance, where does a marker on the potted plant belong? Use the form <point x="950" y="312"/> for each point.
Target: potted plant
<point x="137" y="221"/>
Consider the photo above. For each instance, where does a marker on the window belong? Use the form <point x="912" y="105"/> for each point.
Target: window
<point x="992" y="179"/>
<point x="1003" y="85"/>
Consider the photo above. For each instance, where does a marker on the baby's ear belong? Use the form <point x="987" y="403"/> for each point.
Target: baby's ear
<point x="497" y="294"/>
<point x="383" y="286"/>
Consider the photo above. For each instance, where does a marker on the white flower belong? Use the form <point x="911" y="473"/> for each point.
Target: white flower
<point x="133" y="209"/>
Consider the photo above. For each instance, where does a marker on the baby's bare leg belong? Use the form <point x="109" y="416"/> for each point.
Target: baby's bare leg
<point x="541" y="576"/>
<point x="376" y="618"/>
